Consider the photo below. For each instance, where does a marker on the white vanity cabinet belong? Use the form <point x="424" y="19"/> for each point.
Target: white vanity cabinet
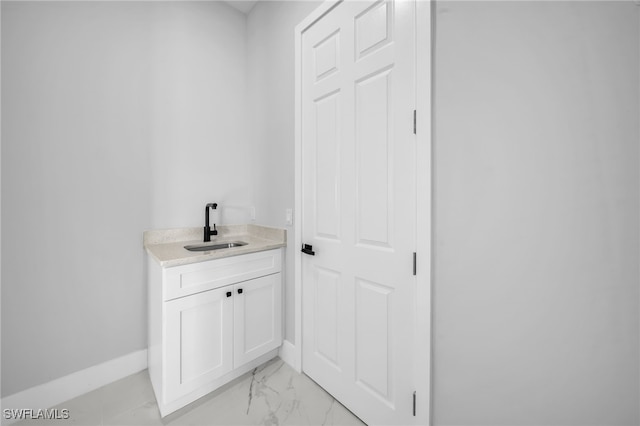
<point x="211" y="322"/>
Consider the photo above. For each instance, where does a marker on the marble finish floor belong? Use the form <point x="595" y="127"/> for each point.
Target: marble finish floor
<point x="272" y="395"/>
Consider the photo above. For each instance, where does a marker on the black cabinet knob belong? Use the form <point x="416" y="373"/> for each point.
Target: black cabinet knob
<point x="229" y="294"/>
<point x="239" y="291"/>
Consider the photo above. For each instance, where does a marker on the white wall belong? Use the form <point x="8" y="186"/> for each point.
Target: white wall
<point x="198" y="114"/>
<point x="271" y="90"/>
<point x="536" y="317"/>
<point x="117" y="117"/>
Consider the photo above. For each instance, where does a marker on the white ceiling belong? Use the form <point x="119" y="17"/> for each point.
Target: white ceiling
<point x="243" y="6"/>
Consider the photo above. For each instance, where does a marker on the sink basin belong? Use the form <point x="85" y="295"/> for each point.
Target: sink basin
<point x="214" y="246"/>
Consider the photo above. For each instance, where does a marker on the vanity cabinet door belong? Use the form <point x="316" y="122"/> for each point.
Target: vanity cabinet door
<point x="199" y="341"/>
<point x="257" y="317"/>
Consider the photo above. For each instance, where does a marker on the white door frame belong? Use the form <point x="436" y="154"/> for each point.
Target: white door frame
<point x="422" y="355"/>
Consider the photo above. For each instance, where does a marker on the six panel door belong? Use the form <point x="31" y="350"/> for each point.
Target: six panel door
<point x="359" y="206"/>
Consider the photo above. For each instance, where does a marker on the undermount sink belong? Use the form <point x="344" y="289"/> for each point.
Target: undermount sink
<point x="214" y="246"/>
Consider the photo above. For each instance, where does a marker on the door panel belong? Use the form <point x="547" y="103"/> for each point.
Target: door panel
<point x="358" y="170"/>
<point x="199" y="341"/>
<point x="326" y="287"/>
<point x="373" y="366"/>
<point x="326" y="56"/>
<point x="374" y="160"/>
<point x="373" y="28"/>
<point x="327" y="152"/>
<point x="257" y="318"/>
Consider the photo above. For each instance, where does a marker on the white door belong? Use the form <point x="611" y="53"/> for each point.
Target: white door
<point x="199" y="345"/>
<point x="257" y="313"/>
<point x="359" y="204"/>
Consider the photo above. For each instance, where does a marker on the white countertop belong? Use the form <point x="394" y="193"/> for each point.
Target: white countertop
<point x="166" y="246"/>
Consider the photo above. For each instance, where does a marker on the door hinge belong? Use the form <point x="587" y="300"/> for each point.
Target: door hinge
<point x="415" y="120"/>
<point x="414" y="403"/>
<point x="415" y="263"/>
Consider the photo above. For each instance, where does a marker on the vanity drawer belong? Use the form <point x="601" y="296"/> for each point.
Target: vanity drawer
<point x="180" y="281"/>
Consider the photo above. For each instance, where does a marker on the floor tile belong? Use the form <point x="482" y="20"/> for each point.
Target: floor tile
<point x="146" y="414"/>
<point x="127" y="394"/>
<point x="272" y="394"/>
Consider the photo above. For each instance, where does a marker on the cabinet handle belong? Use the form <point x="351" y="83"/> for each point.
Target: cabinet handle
<point x="239" y="291"/>
<point x="229" y="294"/>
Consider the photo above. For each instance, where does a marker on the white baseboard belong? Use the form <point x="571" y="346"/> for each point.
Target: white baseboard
<point x="288" y="354"/>
<point x="75" y="384"/>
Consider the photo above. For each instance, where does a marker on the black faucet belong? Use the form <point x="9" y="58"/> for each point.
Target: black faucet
<point x="208" y="232"/>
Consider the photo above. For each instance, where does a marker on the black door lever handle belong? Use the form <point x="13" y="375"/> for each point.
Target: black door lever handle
<point x="308" y="249"/>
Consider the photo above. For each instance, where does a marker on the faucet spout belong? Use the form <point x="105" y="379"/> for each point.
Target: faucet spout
<point x="207" y="229"/>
